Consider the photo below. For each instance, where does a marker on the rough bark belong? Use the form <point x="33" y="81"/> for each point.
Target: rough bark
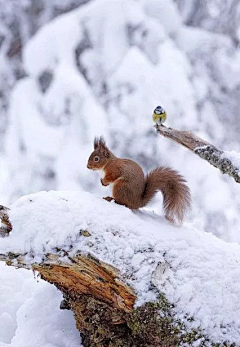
<point x="203" y="149"/>
<point x="92" y="289"/>
<point x="103" y="304"/>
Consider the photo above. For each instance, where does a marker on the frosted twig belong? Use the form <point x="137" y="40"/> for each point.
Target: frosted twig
<point x="203" y="149"/>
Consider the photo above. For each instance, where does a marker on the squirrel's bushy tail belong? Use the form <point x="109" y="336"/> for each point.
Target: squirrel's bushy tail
<point x="176" y="194"/>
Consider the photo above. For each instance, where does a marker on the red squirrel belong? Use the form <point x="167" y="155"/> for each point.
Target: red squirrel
<point x="134" y="190"/>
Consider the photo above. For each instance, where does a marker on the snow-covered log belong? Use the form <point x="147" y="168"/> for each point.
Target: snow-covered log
<point x="226" y="162"/>
<point x="130" y="278"/>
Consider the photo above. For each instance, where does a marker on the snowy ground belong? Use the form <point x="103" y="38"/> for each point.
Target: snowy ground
<point x="200" y="270"/>
<point x="30" y="314"/>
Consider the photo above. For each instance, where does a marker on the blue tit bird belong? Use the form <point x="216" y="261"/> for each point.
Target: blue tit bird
<point x="159" y="115"/>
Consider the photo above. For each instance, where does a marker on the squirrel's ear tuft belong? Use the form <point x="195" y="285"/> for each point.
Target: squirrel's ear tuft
<point x="99" y="142"/>
<point x="95" y="144"/>
<point x="102" y="142"/>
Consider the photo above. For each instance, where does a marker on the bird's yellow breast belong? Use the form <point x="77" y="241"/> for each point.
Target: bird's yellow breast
<point x="159" y="118"/>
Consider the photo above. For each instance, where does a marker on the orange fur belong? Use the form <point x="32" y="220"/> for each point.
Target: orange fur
<point x="134" y="190"/>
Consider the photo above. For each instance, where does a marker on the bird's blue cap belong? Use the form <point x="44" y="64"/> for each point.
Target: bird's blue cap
<point x="159" y="110"/>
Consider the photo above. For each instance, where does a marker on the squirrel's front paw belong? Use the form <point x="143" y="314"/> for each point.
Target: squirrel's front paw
<point x="108" y="198"/>
<point x="104" y="183"/>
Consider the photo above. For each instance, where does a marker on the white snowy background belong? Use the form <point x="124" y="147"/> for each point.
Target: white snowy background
<point x="100" y="69"/>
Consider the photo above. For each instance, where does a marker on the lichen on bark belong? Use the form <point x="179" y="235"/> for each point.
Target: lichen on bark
<point x="203" y="149"/>
<point x="217" y="158"/>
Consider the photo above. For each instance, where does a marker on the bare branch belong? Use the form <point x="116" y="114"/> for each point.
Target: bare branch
<point x="203" y="149"/>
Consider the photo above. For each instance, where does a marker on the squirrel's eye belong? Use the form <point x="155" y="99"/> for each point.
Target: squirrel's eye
<point x="96" y="158"/>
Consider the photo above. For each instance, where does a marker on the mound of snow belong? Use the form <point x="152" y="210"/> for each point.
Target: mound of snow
<point x="30" y="314"/>
<point x="200" y="270"/>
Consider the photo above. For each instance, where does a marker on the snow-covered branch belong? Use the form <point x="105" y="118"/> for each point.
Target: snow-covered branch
<point x="227" y="163"/>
